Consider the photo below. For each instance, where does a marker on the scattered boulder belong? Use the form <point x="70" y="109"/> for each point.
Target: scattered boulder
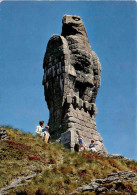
<point x="115" y="156"/>
<point x="17" y="182"/>
<point x="3" y="134"/>
<point x="115" y="182"/>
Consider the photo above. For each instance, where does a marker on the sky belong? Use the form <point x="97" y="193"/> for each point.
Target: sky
<point x="26" y="27"/>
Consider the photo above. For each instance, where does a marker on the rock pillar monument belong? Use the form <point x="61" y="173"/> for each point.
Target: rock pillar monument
<point x="71" y="81"/>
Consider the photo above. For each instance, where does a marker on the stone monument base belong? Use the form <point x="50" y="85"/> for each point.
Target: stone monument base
<point x="81" y="121"/>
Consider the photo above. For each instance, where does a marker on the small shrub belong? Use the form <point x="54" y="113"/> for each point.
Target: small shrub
<point x="66" y="169"/>
<point x="77" y="163"/>
<point x="91" y="155"/>
<point x="21" y="193"/>
<point x="96" y="172"/>
<point x="67" y="181"/>
<point x="40" y="191"/>
<point x="15" y="145"/>
<point x="52" y="161"/>
<point x="59" y="185"/>
<point x="134" y="169"/>
<point x="47" y="173"/>
<point x="82" y="172"/>
<point x="33" y="157"/>
<point x="113" y="163"/>
<point x="56" y="170"/>
<point x="114" y="170"/>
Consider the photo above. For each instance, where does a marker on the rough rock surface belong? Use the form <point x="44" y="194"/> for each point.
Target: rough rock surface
<point x="15" y="183"/>
<point x="117" y="156"/>
<point x="71" y="81"/>
<point x="114" y="183"/>
<point x="3" y="134"/>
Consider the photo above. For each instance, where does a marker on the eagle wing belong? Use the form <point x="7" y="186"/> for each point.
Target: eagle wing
<point x="54" y="64"/>
<point x="96" y="73"/>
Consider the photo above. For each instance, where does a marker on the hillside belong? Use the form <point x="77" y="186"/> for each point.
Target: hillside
<point x="29" y="166"/>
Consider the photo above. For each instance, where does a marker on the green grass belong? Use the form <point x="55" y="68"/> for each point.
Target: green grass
<point x="59" y="171"/>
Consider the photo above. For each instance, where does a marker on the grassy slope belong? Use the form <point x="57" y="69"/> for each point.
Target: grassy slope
<point x="59" y="170"/>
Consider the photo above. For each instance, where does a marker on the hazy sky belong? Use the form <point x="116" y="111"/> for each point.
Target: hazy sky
<point x="25" y="28"/>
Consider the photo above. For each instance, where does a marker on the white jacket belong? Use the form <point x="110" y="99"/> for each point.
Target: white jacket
<point x="39" y="130"/>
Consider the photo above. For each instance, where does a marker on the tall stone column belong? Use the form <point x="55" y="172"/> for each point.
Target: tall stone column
<point x="71" y="81"/>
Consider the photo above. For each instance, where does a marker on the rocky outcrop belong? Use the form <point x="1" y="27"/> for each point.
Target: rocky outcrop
<point x="114" y="183"/>
<point x="3" y="134"/>
<point x="117" y="156"/>
<point x="16" y="182"/>
<point x="71" y="82"/>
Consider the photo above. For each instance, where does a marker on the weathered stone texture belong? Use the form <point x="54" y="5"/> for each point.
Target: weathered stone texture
<point x="114" y="184"/>
<point x="3" y="134"/>
<point x="71" y="81"/>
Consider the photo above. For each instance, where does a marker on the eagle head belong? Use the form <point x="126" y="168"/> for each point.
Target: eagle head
<point x="72" y="25"/>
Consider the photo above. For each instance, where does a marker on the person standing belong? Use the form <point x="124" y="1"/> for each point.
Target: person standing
<point x="80" y="141"/>
<point x="46" y="133"/>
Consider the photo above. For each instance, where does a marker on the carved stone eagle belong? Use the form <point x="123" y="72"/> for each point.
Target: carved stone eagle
<point x="71" y="81"/>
